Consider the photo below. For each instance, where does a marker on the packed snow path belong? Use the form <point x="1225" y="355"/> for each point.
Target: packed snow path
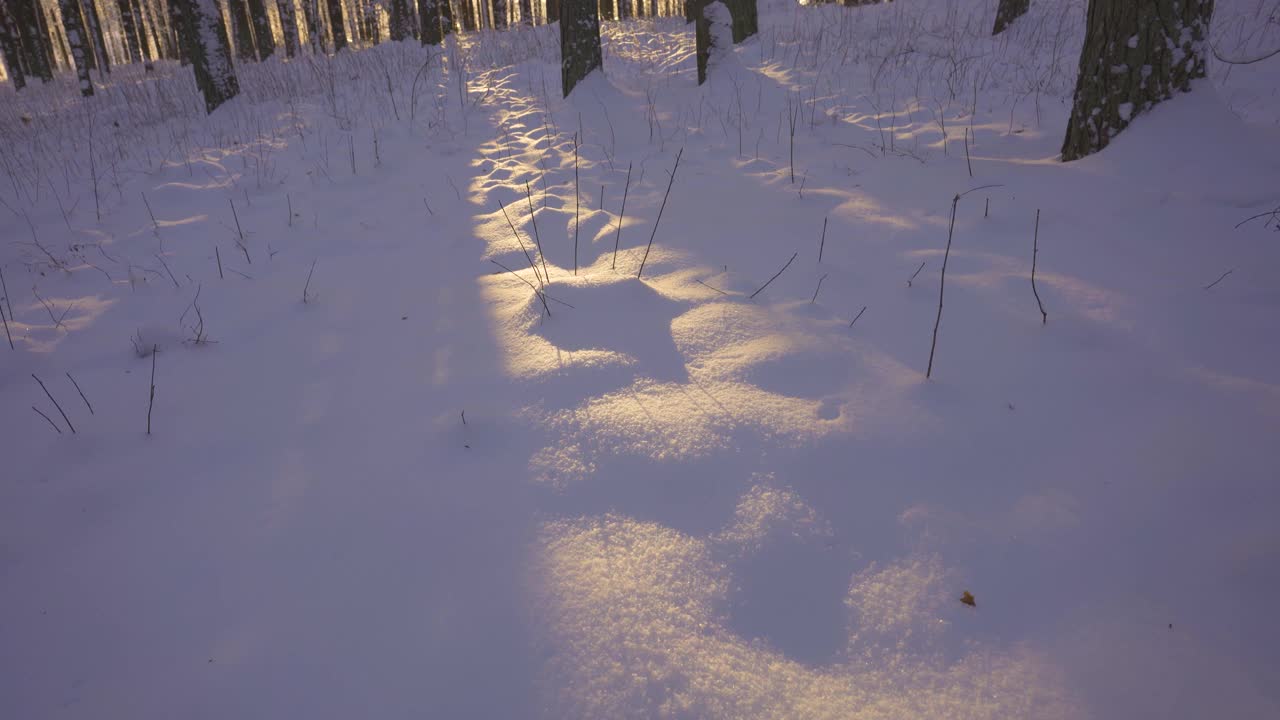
<point x="416" y="494"/>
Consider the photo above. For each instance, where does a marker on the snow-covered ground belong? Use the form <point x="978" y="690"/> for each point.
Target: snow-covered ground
<point x="382" y="481"/>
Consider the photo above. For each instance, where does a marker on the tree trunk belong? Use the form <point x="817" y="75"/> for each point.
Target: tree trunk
<point x="1137" y="53"/>
<point x="701" y="37"/>
<point x="553" y="11"/>
<point x="435" y="20"/>
<point x="288" y="26"/>
<point x="607" y="11"/>
<point x="94" y="25"/>
<point x="526" y="12"/>
<point x="12" y="49"/>
<point x="499" y="13"/>
<point x="746" y="19"/>
<point x="205" y="39"/>
<point x="399" y="19"/>
<point x="336" y="25"/>
<point x="315" y="34"/>
<point x="264" y="42"/>
<point x="130" y="31"/>
<point x="78" y="40"/>
<point x="241" y="29"/>
<point x="1008" y="11"/>
<point x="32" y="40"/>
<point x="579" y="41"/>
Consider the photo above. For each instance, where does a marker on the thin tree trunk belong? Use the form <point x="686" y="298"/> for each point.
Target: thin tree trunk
<point x="76" y="37"/>
<point x="1137" y="53"/>
<point x="1008" y="11"/>
<point x="288" y="26"/>
<point x="553" y="11"/>
<point x="579" y="42"/>
<point x="204" y="37"/>
<point x="701" y="37"/>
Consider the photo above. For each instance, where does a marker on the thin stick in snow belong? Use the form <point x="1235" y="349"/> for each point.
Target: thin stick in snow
<point x="822" y="244"/>
<point x="1035" y="250"/>
<point x="942" y="284"/>
<point x="1206" y="287"/>
<point x="966" y="152"/>
<point x="575" y="203"/>
<point x="817" y="289"/>
<point x="618" y="235"/>
<point x="305" y="288"/>
<point x="167" y="270"/>
<point x="7" y="301"/>
<point x="55" y="403"/>
<point x="775" y="277"/>
<point x="239" y="243"/>
<point x="537" y="239"/>
<point x="855" y="319"/>
<point x="82" y="397"/>
<point x="536" y="291"/>
<point x="218" y="255"/>
<point x="670" y="182"/>
<point x="155" y="226"/>
<point x="709" y="287"/>
<point x="523" y="249"/>
<point x="917" y="272"/>
<point x="6" y="328"/>
<point x="151" y="400"/>
<point x="46" y="417"/>
<point x="288" y="199"/>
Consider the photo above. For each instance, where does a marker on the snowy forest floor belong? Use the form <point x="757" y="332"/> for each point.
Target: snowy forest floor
<point x="382" y="481"/>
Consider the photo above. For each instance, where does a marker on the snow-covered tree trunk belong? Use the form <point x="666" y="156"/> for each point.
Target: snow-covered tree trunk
<point x="12" y="49"/>
<point x="205" y="39"/>
<point x="1008" y="11"/>
<point x="288" y="26"/>
<point x="74" y="24"/>
<point x="1137" y="53"/>
<point x="579" y="41"/>
<point x="32" y="40"/>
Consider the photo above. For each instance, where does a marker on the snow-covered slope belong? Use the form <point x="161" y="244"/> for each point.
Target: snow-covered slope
<point x="382" y="481"/>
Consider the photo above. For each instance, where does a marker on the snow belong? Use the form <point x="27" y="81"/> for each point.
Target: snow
<point x="416" y="493"/>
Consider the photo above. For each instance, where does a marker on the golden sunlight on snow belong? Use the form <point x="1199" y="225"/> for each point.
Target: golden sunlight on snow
<point x="637" y="629"/>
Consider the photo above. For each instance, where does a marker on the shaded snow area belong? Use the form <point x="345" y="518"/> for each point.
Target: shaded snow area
<point x="383" y="482"/>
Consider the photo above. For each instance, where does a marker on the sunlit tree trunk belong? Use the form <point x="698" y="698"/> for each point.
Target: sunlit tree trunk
<point x="288" y="26"/>
<point x="1008" y="11"/>
<point x="1137" y="53"/>
<point x="205" y="39"/>
<point x="73" y="22"/>
<point x="12" y="49"/>
<point x="579" y="41"/>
